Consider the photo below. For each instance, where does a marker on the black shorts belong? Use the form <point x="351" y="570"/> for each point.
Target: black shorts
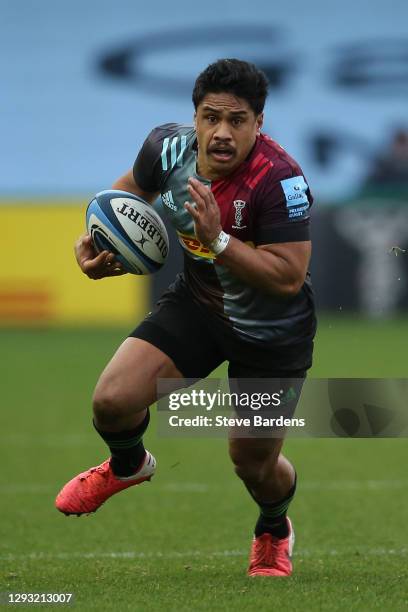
<point x="197" y="343"/>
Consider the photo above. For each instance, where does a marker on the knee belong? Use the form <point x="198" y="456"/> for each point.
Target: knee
<point x="249" y="472"/>
<point x="253" y="469"/>
<point x="110" y="403"/>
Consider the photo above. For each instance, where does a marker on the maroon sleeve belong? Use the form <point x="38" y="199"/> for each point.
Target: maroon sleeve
<point x="282" y="207"/>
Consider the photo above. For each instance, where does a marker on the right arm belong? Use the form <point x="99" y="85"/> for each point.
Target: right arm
<point x="127" y="183"/>
<point x="101" y="265"/>
<point x="147" y="172"/>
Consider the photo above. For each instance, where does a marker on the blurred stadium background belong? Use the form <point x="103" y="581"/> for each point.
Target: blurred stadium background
<point x="82" y="84"/>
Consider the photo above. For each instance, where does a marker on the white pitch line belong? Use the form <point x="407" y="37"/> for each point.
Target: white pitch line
<point x="67" y="556"/>
<point x="29" y="488"/>
<point x="52" y="440"/>
<point x="342" y="485"/>
<point x="353" y="484"/>
<point x="202" y="487"/>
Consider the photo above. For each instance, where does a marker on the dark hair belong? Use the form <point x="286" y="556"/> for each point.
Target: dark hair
<point x="242" y="79"/>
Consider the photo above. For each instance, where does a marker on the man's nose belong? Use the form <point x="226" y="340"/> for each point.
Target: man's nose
<point x="222" y="131"/>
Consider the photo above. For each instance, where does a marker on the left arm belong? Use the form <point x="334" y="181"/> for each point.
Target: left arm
<point x="279" y="269"/>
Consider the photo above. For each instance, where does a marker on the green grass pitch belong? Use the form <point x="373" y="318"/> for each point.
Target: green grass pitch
<point x="182" y="541"/>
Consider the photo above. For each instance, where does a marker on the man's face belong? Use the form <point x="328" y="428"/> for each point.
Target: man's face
<point x="226" y="129"/>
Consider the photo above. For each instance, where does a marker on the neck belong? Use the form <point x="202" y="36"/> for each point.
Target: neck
<point x="206" y="172"/>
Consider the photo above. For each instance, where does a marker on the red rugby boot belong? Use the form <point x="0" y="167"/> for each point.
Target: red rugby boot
<point x="271" y="556"/>
<point x="88" y="491"/>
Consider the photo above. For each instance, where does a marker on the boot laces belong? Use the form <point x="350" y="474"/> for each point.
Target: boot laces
<point x="100" y="469"/>
<point x="269" y="551"/>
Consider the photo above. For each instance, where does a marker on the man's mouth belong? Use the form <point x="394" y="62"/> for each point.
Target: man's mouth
<point x="221" y="154"/>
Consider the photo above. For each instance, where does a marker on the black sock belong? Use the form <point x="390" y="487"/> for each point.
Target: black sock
<point x="272" y="518"/>
<point x="126" y="447"/>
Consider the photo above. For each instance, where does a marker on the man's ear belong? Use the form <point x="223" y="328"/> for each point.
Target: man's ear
<point x="195" y="120"/>
<point x="259" y="122"/>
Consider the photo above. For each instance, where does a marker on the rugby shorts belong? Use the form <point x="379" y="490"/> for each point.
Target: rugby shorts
<point x="198" y="343"/>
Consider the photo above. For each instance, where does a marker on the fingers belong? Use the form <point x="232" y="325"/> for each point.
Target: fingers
<point x="110" y="259"/>
<point x="86" y="239"/>
<point x="93" y="263"/>
<point x="204" y="211"/>
<point x="192" y="210"/>
<point x="112" y="266"/>
<point x="96" y="265"/>
<point x="84" y="243"/>
<point x="116" y="272"/>
<point x="105" y="273"/>
<point x="101" y="266"/>
<point x="198" y="186"/>
<point x="201" y="194"/>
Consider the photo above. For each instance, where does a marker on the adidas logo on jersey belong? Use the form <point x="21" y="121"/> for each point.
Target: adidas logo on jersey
<point x="167" y="199"/>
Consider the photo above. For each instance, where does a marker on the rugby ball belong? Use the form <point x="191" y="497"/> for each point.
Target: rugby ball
<point x="126" y="225"/>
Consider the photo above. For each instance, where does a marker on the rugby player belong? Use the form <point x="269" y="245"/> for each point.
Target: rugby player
<point x="240" y="205"/>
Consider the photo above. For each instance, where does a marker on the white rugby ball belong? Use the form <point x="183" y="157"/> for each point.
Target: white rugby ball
<point x="129" y="227"/>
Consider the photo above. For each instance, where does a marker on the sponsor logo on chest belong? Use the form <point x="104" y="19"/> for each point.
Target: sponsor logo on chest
<point x="194" y="246"/>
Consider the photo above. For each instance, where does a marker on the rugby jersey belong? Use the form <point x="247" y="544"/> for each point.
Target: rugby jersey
<point x="265" y="200"/>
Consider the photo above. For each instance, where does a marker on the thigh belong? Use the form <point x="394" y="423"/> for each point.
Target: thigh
<point x="180" y="329"/>
<point x="130" y="378"/>
<point x="266" y="392"/>
<point x="254" y="449"/>
<point x="266" y="397"/>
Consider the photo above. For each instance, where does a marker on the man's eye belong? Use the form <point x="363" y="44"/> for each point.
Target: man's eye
<point x="211" y="119"/>
<point x="237" y="121"/>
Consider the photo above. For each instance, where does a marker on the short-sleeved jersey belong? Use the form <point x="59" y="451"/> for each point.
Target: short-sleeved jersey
<point x="265" y="200"/>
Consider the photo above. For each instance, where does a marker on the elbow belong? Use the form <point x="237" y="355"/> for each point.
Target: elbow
<point x="289" y="290"/>
<point x="294" y="288"/>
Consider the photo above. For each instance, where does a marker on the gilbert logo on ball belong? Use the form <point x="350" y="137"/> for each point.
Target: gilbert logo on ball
<point x="129" y="227"/>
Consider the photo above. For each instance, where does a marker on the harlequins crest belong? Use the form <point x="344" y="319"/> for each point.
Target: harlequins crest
<point x="239" y="205"/>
